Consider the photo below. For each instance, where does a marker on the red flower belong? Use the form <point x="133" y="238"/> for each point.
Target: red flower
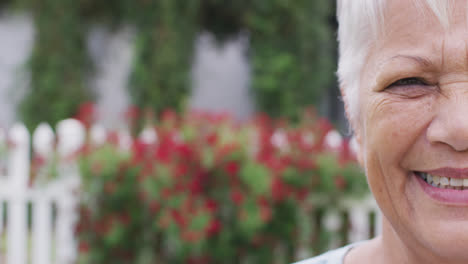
<point x="86" y="114"/>
<point x="132" y="113"/>
<point x="324" y="125"/>
<point x="340" y="182"/>
<point x="80" y="227"/>
<point x="181" y="170"/>
<point x="102" y="227"/>
<point x="165" y="193"/>
<point x="306" y="164"/>
<point x="179" y="218"/>
<point x="213" y="228"/>
<point x="275" y="164"/>
<point x="346" y="154"/>
<point x="232" y="168"/>
<point x="113" y="138"/>
<point x="185" y="151"/>
<point x="265" y="209"/>
<point x="39" y="161"/>
<point x="168" y="115"/>
<point x="278" y="189"/>
<point x="125" y="218"/>
<point x="226" y="149"/>
<point x="211" y="138"/>
<point x="265" y="213"/>
<point x="197" y="184"/>
<point x="237" y="197"/>
<point x="83" y="247"/>
<point x="139" y="149"/>
<point x="211" y="205"/>
<point x="165" y="149"/>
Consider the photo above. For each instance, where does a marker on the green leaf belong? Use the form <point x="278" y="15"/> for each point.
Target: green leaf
<point x="257" y="177"/>
<point x="208" y="158"/>
<point x="292" y="177"/>
<point x="328" y="168"/>
<point x="250" y="225"/>
<point x="200" y="221"/>
<point x="115" y="235"/>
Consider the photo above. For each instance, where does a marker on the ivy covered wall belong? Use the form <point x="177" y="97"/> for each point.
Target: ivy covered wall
<point x="291" y="52"/>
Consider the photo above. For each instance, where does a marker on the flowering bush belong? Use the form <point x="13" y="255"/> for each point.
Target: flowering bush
<point x="202" y="188"/>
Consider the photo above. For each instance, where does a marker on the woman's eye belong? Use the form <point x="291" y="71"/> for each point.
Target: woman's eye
<point x="410" y="87"/>
<point x="408" y="82"/>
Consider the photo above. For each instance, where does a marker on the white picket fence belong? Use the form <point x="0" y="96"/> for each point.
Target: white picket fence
<point x="50" y="238"/>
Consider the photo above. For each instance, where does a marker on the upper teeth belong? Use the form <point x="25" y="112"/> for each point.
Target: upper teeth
<point x="444" y="181"/>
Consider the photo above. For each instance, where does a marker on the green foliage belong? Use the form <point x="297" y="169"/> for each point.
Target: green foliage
<point x="291" y="50"/>
<point x="161" y="71"/>
<point x="59" y="63"/>
<point x="251" y="225"/>
<point x="328" y="168"/>
<point x="251" y="202"/>
<point x="256" y="177"/>
<point x="121" y="209"/>
<point x="292" y="53"/>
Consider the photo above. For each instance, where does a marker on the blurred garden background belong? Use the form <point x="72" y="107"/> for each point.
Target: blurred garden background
<point x="231" y="111"/>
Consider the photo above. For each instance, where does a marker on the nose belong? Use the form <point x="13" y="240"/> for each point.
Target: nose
<point x="450" y="125"/>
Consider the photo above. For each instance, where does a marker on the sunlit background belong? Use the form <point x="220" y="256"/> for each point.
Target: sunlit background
<point x="203" y="131"/>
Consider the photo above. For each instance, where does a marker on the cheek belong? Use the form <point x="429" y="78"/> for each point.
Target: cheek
<point x="391" y="129"/>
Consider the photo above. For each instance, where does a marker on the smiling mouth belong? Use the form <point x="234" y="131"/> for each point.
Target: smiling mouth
<point x="443" y="182"/>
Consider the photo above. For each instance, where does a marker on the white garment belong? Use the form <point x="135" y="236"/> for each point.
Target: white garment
<point x="331" y="257"/>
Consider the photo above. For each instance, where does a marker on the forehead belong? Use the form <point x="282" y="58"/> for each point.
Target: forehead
<point x="406" y="16"/>
<point x="412" y="28"/>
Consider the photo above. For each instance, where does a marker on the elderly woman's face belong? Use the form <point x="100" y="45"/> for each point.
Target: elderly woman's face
<point x="413" y="123"/>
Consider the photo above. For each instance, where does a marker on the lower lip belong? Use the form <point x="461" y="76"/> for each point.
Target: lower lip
<point x="451" y="196"/>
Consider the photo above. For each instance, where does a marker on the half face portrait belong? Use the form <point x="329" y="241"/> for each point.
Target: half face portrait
<point x="404" y="78"/>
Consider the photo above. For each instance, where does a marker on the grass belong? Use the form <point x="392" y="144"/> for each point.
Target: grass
<point x="3" y="248"/>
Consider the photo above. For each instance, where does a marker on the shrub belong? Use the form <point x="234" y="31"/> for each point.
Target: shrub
<point x="210" y="190"/>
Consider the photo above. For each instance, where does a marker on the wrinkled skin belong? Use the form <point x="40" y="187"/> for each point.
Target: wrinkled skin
<point x="419" y="125"/>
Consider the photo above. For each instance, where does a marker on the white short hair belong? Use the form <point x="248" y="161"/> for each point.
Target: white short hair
<point x="360" y="23"/>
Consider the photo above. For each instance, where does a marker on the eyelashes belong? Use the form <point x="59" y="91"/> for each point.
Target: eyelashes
<point x="411" y="87"/>
<point x="411" y="81"/>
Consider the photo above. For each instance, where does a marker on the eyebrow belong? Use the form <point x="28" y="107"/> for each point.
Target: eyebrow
<point x="420" y="60"/>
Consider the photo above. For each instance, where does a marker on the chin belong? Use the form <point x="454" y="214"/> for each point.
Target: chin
<point x="449" y="240"/>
